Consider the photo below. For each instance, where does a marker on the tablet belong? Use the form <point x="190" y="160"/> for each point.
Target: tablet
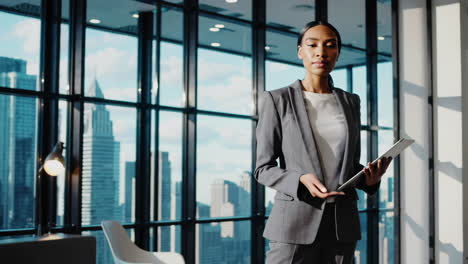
<point x="392" y="152"/>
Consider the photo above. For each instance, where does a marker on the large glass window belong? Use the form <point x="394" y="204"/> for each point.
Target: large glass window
<point x="18" y="119"/>
<point x="279" y="14"/>
<point x="171" y="87"/>
<point x="224" y="67"/>
<point x="169" y="165"/>
<point x="231" y="8"/>
<point x="223" y="165"/>
<point x="223" y="242"/>
<point x="108" y="151"/>
<point x="118" y="124"/>
<point x="114" y="65"/>
<point x="20" y="35"/>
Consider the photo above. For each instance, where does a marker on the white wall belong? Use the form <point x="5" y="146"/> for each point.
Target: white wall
<point x="447" y="131"/>
<point x="414" y="121"/>
<point x="449" y="121"/>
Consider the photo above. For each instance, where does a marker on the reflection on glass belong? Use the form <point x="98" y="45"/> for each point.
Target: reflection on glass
<point x="352" y="28"/>
<point x="62" y="135"/>
<point x="360" y="254"/>
<point x="360" y="88"/>
<point x="340" y="79"/>
<point x="351" y="57"/>
<point x="103" y="251"/>
<point x="108" y="163"/>
<point x="386" y="194"/>
<point x="231" y="8"/>
<point x="224" y="242"/>
<point x="229" y="35"/>
<point x="121" y="16"/>
<point x="362" y="202"/>
<point x="385" y="93"/>
<point x="224" y="82"/>
<point x="18" y="138"/>
<point x="19" y="55"/>
<point x="279" y="14"/>
<point x="282" y="47"/>
<point x="172" y="24"/>
<point x="111" y="58"/>
<point x="63" y="70"/>
<point x="169" y="163"/>
<point x="171" y="90"/>
<point x="223" y="166"/>
<point x="169" y="238"/>
<point x="386" y="238"/>
<point x="281" y="74"/>
<point x="384" y="26"/>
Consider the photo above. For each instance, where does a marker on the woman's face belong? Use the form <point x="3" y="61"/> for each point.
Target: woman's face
<point x="319" y="50"/>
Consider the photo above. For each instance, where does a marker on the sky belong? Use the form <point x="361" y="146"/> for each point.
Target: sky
<point x="224" y="83"/>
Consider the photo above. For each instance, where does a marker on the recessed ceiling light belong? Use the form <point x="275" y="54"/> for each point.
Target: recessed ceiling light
<point x="136" y="15"/>
<point x="214" y="29"/>
<point x="215" y="44"/>
<point x="267" y="48"/>
<point x="380" y="37"/>
<point x="94" y="21"/>
<point x="219" y="26"/>
<point x="231" y="1"/>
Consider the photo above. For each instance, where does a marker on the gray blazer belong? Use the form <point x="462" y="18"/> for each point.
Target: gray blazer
<point x="284" y="133"/>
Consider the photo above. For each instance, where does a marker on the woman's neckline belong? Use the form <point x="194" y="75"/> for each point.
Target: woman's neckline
<point x="304" y="90"/>
<point x="318" y="94"/>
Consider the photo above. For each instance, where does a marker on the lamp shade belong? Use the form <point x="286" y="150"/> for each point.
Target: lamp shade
<point x="54" y="162"/>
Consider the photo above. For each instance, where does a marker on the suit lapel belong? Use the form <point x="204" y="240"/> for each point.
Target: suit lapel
<point x="302" y="121"/>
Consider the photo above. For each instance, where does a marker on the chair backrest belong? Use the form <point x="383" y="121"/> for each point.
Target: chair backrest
<point x="125" y="251"/>
<point x="122" y="247"/>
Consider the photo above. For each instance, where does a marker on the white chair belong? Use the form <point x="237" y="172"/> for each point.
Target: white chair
<point x="126" y="252"/>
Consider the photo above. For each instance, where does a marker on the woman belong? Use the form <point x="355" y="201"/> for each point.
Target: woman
<point x="313" y="129"/>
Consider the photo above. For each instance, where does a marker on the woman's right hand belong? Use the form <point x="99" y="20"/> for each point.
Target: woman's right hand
<point x="315" y="187"/>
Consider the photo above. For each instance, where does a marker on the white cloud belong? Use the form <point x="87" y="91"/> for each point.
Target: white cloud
<point x="212" y="71"/>
<point x="28" y="31"/>
<point x="277" y="67"/>
<point x="233" y="94"/>
<point x="171" y="70"/>
<point x="105" y="61"/>
<point x="170" y="131"/>
<point x="116" y="72"/>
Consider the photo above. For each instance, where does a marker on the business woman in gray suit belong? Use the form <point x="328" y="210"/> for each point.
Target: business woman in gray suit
<point x="313" y="128"/>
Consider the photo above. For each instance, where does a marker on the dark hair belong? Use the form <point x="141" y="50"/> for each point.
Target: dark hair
<point x="312" y="24"/>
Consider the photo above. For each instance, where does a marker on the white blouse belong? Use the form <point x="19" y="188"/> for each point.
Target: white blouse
<point x="328" y="125"/>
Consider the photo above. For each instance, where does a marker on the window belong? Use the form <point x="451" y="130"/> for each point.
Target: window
<point x="166" y="151"/>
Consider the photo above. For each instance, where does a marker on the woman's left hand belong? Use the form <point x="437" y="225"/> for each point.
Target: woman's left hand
<point x="375" y="172"/>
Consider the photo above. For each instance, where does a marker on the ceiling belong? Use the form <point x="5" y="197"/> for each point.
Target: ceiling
<point x="347" y="16"/>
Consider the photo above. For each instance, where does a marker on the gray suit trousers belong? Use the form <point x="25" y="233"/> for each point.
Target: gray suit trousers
<point x="326" y="249"/>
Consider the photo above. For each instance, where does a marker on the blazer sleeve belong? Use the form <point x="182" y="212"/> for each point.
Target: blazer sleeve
<point x="370" y="190"/>
<point x="269" y="141"/>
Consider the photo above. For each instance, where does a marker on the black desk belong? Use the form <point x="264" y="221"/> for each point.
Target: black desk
<point x="50" y="249"/>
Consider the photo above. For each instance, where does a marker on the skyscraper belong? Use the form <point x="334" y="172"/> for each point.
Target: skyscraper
<point x="129" y="187"/>
<point x="227" y="241"/>
<point x="101" y="173"/>
<point x="208" y="236"/>
<point x="18" y="120"/>
<point x="164" y="208"/>
<point x="177" y="213"/>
